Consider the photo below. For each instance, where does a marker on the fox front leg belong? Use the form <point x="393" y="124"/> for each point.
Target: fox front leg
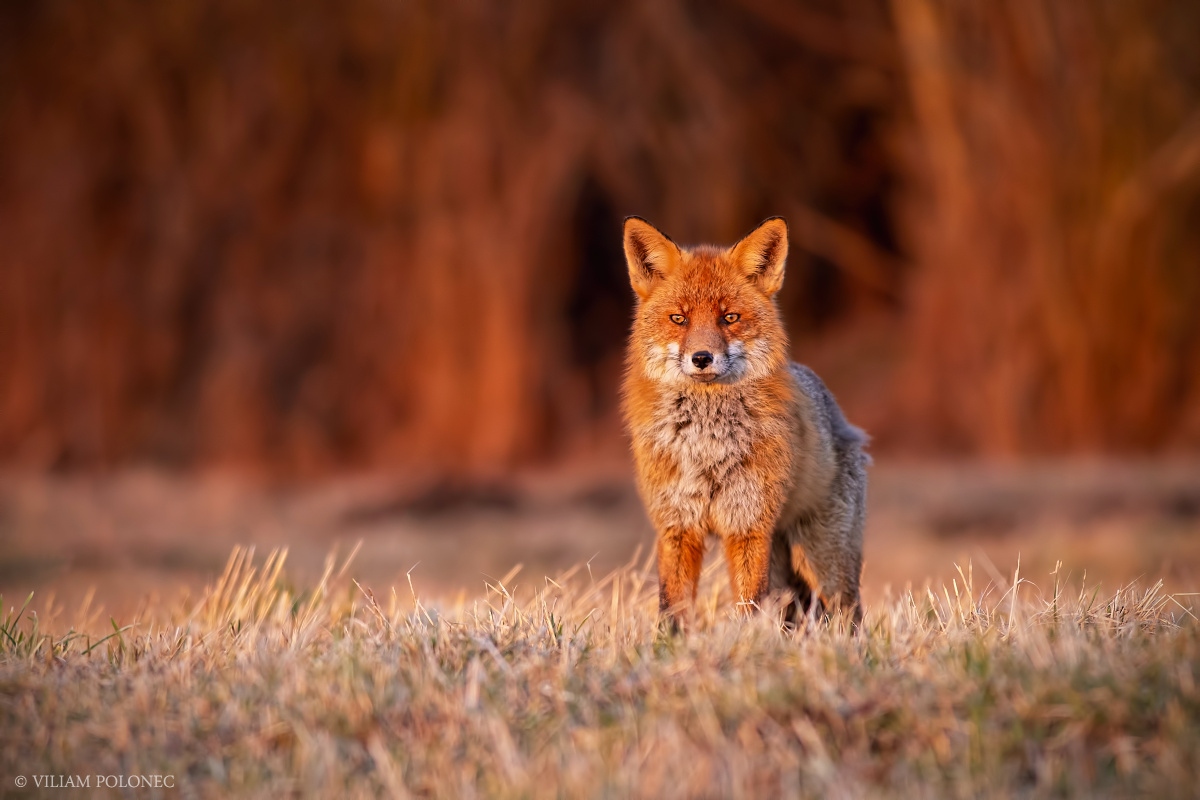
<point x="749" y="559"/>
<point x="680" y="557"/>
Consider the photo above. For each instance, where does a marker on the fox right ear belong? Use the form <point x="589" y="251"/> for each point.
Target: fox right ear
<point x="649" y="254"/>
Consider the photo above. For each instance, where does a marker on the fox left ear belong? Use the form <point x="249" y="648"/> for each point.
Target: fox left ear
<point x="762" y="252"/>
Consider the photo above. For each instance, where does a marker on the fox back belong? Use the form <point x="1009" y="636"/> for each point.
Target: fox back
<point x="731" y="439"/>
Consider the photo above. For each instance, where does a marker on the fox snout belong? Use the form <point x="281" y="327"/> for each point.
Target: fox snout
<point x="703" y="365"/>
<point x="706" y="364"/>
<point x="704" y="354"/>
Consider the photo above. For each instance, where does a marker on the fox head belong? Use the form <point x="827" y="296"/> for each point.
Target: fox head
<point x="707" y="315"/>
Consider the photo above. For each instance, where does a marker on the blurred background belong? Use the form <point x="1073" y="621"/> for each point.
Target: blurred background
<point x="316" y="273"/>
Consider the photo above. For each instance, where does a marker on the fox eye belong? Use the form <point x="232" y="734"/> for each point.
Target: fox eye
<point x="732" y="318"/>
<point x="678" y="319"/>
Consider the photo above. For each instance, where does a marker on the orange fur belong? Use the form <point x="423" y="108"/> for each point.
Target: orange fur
<point x="729" y="438"/>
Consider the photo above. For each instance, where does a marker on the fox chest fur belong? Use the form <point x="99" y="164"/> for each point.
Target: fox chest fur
<point x="716" y="460"/>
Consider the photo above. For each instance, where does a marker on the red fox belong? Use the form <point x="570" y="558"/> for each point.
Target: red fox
<point x="732" y="439"/>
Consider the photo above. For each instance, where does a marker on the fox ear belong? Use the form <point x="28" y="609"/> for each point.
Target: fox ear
<point x="762" y="253"/>
<point x="649" y="254"/>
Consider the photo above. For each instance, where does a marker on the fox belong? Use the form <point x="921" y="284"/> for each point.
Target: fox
<point x="732" y="440"/>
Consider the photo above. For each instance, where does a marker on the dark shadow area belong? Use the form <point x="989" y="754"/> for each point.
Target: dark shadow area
<point x="599" y="304"/>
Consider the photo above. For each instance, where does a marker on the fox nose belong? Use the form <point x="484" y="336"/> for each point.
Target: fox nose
<point x="702" y="359"/>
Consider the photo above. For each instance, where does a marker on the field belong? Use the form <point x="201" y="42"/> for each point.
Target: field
<point x="329" y="691"/>
<point x="988" y="680"/>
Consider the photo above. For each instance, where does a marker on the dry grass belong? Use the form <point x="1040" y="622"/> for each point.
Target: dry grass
<point x="565" y="688"/>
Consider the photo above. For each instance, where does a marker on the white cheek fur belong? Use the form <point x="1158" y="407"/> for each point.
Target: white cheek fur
<point x="663" y="364"/>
